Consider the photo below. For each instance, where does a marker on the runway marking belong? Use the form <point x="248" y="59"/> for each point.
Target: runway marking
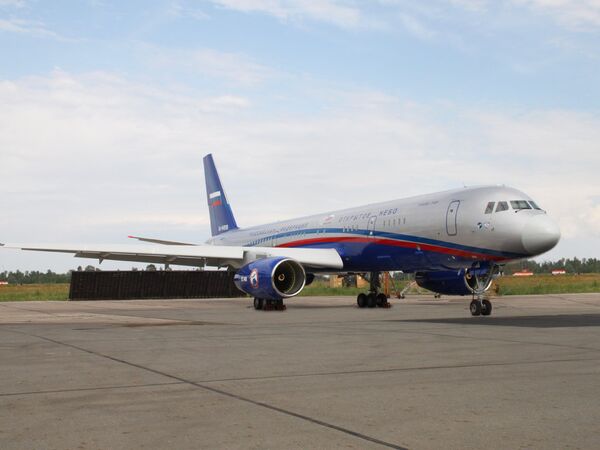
<point x="102" y="388"/>
<point x="224" y="393"/>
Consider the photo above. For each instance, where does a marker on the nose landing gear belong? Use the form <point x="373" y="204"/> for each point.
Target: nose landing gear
<point x="374" y="298"/>
<point x="480" y="307"/>
<point x="479" y="284"/>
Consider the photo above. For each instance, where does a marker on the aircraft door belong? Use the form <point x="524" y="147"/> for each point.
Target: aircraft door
<point x="371" y="225"/>
<point x="451" y="216"/>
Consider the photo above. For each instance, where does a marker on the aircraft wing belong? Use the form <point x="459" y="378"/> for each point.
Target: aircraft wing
<point x="158" y="241"/>
<point x="196" y="255"/>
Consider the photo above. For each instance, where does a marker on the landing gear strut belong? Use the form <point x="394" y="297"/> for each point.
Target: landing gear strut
<point x="268" y="305"/>
<point x="374" y="298"/>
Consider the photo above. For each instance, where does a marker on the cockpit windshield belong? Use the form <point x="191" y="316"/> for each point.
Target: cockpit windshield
<point x="502" y="206"/>
<point x="520" y="204"/>
<point x="534" y="205"/>
<point x="517" y="205"/>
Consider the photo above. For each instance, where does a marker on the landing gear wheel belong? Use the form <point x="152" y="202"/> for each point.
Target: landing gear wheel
<point x="372" y="300"/>
<point x="280" y="306"/>
<point x="475" y="308"/>
<point x="486" y="307"/>
<point x="382" y="300"/>
<point x="258" y="303"/>
<point x="274" y="305"/>
<point x="361" y="300"/>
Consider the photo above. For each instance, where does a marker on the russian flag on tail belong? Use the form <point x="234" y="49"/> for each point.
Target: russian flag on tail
<point x="214" y="199"/>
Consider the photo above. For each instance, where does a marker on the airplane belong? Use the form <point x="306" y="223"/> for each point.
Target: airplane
<point x="454" y="242"/>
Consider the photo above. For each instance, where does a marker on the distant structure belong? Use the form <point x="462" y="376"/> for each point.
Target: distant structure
<point x="559" y="272"/>
<point x="523" y="273"/>
<point x="348" y="281"/>
<point x="3" y="283"/>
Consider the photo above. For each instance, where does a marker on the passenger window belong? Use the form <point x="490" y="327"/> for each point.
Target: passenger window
<point x="519" y="204"/>
<point x="490" y="207"/>
<point x="502" y="206"/>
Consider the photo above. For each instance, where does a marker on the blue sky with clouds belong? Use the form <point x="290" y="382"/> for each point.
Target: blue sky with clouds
<point x="107" y="108"/>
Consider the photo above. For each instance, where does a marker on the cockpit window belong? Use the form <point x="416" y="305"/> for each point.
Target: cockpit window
<point x="490" y="207"/>
<point x="502" y="206"/>
<point x="534" y="205"/>
<point x="519" y="204"/>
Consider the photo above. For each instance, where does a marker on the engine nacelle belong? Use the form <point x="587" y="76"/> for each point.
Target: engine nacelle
<point x="271" y="278"/>
<point x="451" y="282"/>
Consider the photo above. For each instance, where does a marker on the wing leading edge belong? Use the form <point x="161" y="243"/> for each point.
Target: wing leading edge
<point x="192" y="255"/>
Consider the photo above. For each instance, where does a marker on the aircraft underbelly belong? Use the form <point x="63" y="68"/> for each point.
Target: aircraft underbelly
<point x="360" y="256"/>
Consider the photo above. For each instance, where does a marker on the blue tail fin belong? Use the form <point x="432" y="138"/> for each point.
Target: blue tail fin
<point x="221" y="216"/>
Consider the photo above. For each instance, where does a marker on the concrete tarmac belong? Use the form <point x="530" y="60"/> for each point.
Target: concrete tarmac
<point x="190" y="374"/>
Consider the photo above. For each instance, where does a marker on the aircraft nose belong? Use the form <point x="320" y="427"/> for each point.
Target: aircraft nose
<point x="540" y="235"/>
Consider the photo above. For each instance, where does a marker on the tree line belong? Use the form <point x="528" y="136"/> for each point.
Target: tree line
<point x="570" y="265"/>
<point x="35" y="277"/>
<point x="50" y="277"/>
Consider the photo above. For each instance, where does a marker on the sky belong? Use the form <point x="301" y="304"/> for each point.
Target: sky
<point x="107" y="108"/>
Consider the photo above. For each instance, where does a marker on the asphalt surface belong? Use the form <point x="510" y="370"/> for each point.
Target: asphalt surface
<point x="323" y="374"/>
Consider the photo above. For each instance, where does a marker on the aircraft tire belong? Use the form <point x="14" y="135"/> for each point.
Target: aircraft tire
<point x="258" y="303"/>
<point x="372" y="300"/>
<point x="361" y="300"/>
<point x="475" y="308"/>
<point x="486" y="308"/>
<point x="381" y="300"/>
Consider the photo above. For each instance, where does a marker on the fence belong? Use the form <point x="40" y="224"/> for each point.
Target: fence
<point x="123" y="285"/>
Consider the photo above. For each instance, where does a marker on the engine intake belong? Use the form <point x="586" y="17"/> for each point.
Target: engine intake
<point x="271" y="278"/>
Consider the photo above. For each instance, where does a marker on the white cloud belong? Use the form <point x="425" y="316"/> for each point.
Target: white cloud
<point x="232" y="67"/>
<point x="575" y="14"/>
<point x="416" y="27"/>
<point x="177" y="9"/>
<point x="12" y="3"/>
<point x="470" y="5"/>
<point x="32" y="28"/>
<point x="96" y="157"/>
<point x="339" y="13"/>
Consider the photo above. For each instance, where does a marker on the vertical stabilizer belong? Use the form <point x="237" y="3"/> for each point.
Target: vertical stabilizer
<point x="221" y="216"/>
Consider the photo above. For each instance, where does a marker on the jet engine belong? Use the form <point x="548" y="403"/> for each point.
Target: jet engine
<point x="271" y="278"/>
<point x="452" y="282"/>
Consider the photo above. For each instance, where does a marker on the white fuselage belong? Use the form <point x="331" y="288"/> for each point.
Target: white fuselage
<point x="448" y="229"/>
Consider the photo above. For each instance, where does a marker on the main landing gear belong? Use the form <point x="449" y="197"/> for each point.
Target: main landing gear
<point x="374" y="297"/>
<point x="268" y="305"/>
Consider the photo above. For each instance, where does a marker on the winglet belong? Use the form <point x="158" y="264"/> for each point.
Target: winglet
<point x="221" y="215"/>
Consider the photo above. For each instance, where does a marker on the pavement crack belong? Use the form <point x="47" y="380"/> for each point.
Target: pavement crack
<point x="403" y="369"/>
<point x="101" y="388"/>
